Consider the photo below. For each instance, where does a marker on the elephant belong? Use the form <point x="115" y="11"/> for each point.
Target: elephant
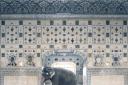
<point x="58" y="76"/>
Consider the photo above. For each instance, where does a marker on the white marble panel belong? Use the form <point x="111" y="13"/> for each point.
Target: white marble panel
<point x="20" y="80"/>
<point x="107" y="80"/>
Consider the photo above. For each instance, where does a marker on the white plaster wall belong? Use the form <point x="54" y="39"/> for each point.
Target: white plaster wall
<point x="107" y="80"/>
<point x="21" y="80"/>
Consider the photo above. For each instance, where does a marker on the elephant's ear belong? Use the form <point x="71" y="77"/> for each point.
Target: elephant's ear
<point x="52" y="73"/>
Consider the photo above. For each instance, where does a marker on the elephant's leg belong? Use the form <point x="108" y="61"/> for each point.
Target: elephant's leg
<point x="73" y="82"/>
<point x="55" y="81"/>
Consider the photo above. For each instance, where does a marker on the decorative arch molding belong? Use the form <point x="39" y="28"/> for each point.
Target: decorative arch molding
<point x="121" y="9"/>
<point x="95" y="7"/>
<point x="78" y="9"/>
<point x="112" y="6"/>
<point x="105" y="10"/>
<point x="125" y="4"/>
<point x="64" y="9"/>
<point x="50" y="9"/>
<point x="9" y="9"/>
<point x="33" y="7"/>
<point x="3" y="5"/>
<point x="76" y="57"/>
<point x="60" y="54"/>
<point x="22" y="9"/>
<point x="85" y="5"/>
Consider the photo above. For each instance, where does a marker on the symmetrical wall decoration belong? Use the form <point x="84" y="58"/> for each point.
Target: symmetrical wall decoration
<point x="104" y="42"/>
<point x="36" y="33"/>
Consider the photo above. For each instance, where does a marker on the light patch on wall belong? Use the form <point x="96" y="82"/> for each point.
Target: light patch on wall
<point x="65" y="65"/>
<point x="84" y="75"/>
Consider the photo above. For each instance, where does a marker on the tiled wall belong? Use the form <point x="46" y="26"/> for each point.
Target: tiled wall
<point x="104" y="42"/>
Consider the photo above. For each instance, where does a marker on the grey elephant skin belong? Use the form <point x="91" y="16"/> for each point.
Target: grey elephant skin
<point x="59" y="76"/>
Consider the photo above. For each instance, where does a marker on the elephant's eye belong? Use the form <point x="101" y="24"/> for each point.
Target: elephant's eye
<point x="46" y="73"/>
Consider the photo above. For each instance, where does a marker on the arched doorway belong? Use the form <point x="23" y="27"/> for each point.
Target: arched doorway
<point x="70" y="60"/>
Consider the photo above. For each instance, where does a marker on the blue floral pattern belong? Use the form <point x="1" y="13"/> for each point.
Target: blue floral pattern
<point x="73" y="7"/>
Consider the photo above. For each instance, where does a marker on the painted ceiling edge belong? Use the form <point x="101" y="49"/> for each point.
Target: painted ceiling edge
<point x="77" y="7"/>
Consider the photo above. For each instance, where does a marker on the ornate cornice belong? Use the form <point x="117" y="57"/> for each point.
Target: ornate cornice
<point x="59" y="16"/>
<point x="84" y="7"/>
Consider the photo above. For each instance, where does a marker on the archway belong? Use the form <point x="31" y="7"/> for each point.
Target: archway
<point x="73" y="61"/>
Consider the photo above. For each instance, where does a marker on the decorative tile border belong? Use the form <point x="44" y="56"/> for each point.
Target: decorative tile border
<point x="59" y="16"/>
<point x="64" y="6"/>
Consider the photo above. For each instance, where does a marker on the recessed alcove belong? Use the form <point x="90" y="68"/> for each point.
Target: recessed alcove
<point x="66" y="59"/>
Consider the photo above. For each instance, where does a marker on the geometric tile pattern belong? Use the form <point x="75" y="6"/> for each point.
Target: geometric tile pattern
<point x="103" y="43"/>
